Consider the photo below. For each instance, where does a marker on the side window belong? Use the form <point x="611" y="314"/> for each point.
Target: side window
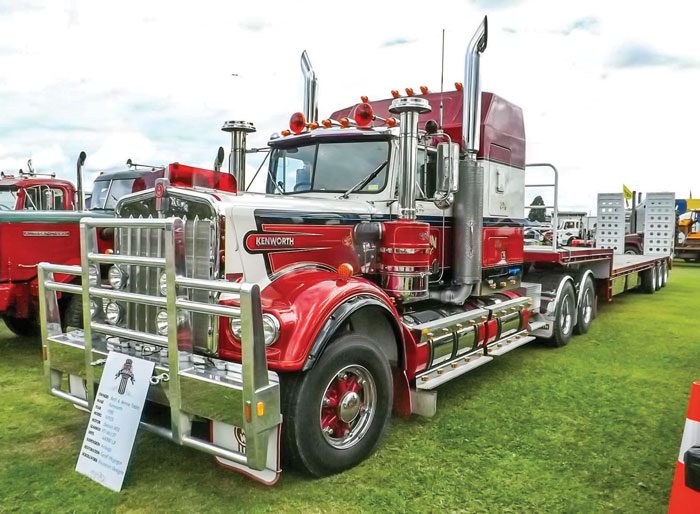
<point x="57" y="200"/>
<point x="427" y="173"/>
<point x="32" y="199"/>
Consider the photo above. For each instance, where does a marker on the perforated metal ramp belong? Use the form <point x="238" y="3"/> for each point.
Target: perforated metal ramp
<point x="610" y="232"/>
<point x="659" y="223"/>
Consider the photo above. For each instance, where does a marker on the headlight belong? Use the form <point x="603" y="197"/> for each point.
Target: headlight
<point x="162" y="323"/>
<point x="117" y="277"/>
<point x="163" y="284"/>
<point x="271" y="328"/>
<point x="93" y="276"/>
<point x="113" y="313"/>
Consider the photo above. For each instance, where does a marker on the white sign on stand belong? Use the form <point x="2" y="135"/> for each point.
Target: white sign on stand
<point x="114" y="420"/>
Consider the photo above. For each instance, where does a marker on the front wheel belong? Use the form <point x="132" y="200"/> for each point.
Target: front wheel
<point x="336" y="413"/>
<point x="23" y="327"/>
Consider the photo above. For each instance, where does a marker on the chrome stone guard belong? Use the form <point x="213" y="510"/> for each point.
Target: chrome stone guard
<point x="246" y="395"/>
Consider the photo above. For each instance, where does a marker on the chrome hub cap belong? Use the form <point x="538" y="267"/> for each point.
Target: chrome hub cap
<point x="565" y="321"/>
<point x="587" y="306"/>
<point x="347" y="407"/>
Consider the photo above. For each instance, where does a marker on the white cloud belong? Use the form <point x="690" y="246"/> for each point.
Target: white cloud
<point x="153" y="80"/>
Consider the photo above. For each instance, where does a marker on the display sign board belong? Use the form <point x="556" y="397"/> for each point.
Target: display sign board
<point x="114" y="420"/>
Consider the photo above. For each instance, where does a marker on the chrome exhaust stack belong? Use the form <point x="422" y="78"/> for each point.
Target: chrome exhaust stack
<point x="310" y="89"/>
<point x="236" y="158"/>
<point x="409" y="108"/>
<point x="80" y="182"/>
<point x="468" y="208"/>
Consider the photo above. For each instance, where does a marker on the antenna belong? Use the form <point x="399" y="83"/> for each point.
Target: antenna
<point x="442" y="75"/>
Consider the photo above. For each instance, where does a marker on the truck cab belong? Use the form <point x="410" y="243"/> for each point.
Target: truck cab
<point x="35" y="192"/>
<point x="109" y="187"/>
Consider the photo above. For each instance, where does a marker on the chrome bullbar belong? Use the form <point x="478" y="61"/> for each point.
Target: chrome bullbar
<point x="193" y="387"/>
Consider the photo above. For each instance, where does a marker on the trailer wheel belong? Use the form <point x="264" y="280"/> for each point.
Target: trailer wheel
<point x="564" y="317"/>
<point x="649" y="280"/>
<point x="659" y="277"/>
<point x="23" y="327"/>
<point x="586" y="309"/>
<point x="337" y="412"/>
<point x="664" y="274"/>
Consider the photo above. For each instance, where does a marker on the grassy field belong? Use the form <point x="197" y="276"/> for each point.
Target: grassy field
<point x="592" y="427"/>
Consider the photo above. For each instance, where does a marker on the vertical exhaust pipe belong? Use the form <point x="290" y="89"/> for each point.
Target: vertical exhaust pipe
<point x="236" y="158"/>
<point x="310" y="88"/>
<point x="468" y="210"/>
<point x="80" y="182"/>
<point x="409" y="108"/>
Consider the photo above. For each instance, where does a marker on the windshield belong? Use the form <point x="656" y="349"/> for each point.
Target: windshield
<point x="106" y="193"/>
<point x="328" y="167"/>
<point x="8" y="198"/>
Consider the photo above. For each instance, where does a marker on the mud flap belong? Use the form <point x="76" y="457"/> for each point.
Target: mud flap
<point x="233" y="438"/>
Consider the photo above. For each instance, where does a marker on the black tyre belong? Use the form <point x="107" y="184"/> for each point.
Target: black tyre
<point x="23" y="327"/>
<point x="664" y="274"/>
<point x="72" y="315"/>
<point x="659" y="277"/>
<point x="564" y="317"/>
<point x="649" y="280"/>
<point x="336" y="413"/>
<point x="586" y="309"/>
<point x="631" y="250"/>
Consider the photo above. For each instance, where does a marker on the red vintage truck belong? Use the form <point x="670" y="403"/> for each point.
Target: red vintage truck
<point x="384" y="259"/>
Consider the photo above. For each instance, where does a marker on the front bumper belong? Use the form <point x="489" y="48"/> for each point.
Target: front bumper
<point x="241" y="397"/>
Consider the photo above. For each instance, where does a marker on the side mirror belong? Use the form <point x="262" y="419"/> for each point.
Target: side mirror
<point x="447" y="166"/>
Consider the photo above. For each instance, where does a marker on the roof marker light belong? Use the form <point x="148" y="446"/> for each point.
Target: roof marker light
<point x="395" y="93"/>
<point x="364" y="114"/>
<point x="286" y="133"/>
<point x="344" y="122"/>
<point x="327" y="123"/>
<point x="313" y="125"/>
<point x="459" y="86"/>
<point x="409" y="91"/>
<point x="424" y="90"/>
<point x="391" y="122"/>
<point x="297" y="123"/>
<point x="364" y="99"/>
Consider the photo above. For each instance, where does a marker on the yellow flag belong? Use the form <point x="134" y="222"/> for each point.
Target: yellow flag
<point x="628" y="193"/>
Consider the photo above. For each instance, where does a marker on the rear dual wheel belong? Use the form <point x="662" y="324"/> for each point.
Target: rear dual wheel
<point x="649" y="280"/>
<point x="336" y="413"/>
<point x="23" y="327"/>
<point x="564" y="315"/>
<point x="587" y="307"/>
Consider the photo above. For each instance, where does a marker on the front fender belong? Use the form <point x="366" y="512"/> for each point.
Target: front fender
<point x="304" y="302"/>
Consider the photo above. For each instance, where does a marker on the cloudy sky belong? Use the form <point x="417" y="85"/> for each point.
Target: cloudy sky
<point x="609" y="89"/>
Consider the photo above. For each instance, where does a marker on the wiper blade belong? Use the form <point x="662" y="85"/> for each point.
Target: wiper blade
<point x="362" y="183"/>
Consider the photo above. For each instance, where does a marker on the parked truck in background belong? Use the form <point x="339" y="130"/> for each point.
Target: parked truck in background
<point x="385" y="258"/>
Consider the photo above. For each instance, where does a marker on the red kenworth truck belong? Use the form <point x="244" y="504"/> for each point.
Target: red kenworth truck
<point x="384" y="259"/>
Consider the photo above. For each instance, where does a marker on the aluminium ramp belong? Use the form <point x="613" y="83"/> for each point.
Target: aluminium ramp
<point x="659" y="223"/>
<point x="610" y="232"/>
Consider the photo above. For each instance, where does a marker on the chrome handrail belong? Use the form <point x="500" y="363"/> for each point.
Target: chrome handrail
<point x="555" y="207"/>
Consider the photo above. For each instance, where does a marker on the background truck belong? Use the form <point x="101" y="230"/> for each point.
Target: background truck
<point x="39" y="221"/>
<point x="385" y="258"/>
<point x="688" y="240"/>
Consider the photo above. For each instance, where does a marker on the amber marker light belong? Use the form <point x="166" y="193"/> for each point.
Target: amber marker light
<point x="313" y="125"/>
<point x="409" y="91"/>
<point x="364" y="99"/>
<point x="327" y="123"/>
<point x="391" y="122"/>
<point x="285" y="133"/>
<point x="345" y="271"/>
<point x="395" y="93"/>
<point x="344" y="122"/>
<point x="424" y="90"/>
<point x="459" y="86"/>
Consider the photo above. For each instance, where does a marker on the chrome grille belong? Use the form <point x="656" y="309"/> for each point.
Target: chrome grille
<point x="201" y="251"/>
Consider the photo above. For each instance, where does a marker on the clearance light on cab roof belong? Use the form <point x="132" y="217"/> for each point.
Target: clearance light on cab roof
<point x="459" y="86"/>
<point x="424" y="90"/>
<point x="327" y="123"/>
<point x="395" y="93"/>
<point x="344" y="122"/>
<point x="391" y="122"/>
<point x="297" y="123"/>
<point x="286" y="133"/>
<point x="364" y="114"/>
<point x="409" y="91"/>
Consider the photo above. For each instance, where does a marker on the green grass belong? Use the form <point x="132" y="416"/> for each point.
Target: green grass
<point x="592" y="427"/>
